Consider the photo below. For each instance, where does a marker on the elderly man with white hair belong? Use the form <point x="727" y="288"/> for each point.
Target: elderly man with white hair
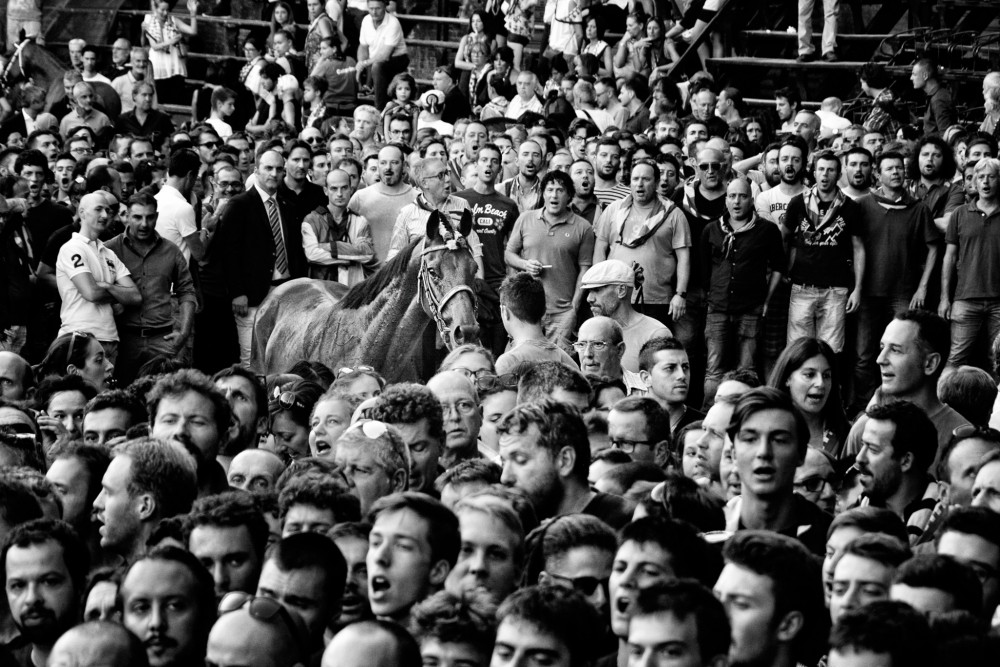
<point x="83" y="112"/>
<point x="972" y="266"/>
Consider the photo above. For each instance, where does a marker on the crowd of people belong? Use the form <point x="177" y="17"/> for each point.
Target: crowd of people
<point x="732" y="401"/>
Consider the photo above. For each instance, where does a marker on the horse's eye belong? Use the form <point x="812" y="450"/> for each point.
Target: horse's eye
<point x="433" y="273"/>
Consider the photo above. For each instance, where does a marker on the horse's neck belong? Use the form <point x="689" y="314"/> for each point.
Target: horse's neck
<point x="396" y="316"/>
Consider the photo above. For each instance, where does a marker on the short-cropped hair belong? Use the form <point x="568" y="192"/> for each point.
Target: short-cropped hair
<point x="540" y="379"/>
<point x="647" y="353"/>
<point x="914" y="431"/>
<point x="230" y="509"/>
<point x="75" y="555"/>
<point x="322" y="492"/>
<point x="560" y="612"/>
<point x="524" y="297"/>
<point x="686" y="598"/>
<point x="183" y="381"/>
<point x="768" y="398"/>
<point x="311" y="550"/>
<point x="884" y="626"/>
<point x="871" y="520"/>
<point x="450" y="619"/>
<point x="690" y="555"/>
<point x="943" y="573"/>
<point x="887" y="550"/>
<point x="470" y="471"/>
<point x="442" y="525"/>
<point x="163" y="469"/>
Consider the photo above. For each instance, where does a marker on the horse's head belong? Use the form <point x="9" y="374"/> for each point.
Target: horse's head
<point x="447" y="280"/>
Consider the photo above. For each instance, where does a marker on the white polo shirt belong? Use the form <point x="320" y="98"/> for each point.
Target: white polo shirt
<point x="80" y="255"/>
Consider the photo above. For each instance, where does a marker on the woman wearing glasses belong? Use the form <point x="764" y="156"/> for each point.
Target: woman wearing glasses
<point x="77" y="354"/>
<point x="289" y="410"/>
<point x="807" y="370"/>
<point x="361" y="382"/>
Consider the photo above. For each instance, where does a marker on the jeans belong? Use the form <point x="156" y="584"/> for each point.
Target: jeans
<point x="244" y="331"/>
<point x="831" y="8"/>
<point x="874" y="315"/>
<point x="818" y="312"/>
<point x="968" y="318"/>
<point x="727" y="335"/>
<point x="135" y="350"/>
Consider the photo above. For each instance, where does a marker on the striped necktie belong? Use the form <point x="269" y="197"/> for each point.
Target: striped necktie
<point x="280" y="256"/>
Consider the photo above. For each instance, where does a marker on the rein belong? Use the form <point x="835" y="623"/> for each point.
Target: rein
<point x="430" y="298"/>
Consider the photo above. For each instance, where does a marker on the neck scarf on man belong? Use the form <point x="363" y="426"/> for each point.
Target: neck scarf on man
<point x="730" y="240"/>
<point x="812" y="201"/>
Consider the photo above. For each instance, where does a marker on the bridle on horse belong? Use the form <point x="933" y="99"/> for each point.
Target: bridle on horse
<point x="430" y="298"/>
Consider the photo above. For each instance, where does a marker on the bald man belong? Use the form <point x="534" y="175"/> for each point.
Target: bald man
<point x="98" y="644"/>
<point x="238" y="638"/>
<point x="91" y="279"/>
<point x="372" y="644"/>
<point x="16" y="377"/>
<point x="462" y="416"/>
<point x="255" y="470"/>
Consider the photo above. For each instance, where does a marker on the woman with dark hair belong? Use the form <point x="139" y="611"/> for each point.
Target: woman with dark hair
<point x="807" y="370"/>
<point x="77" y="354"/>
<point x="289" y="409"/>
<point x="167" y="55"/>
<point x="593" y="43"/>
<point x="283" y="18"/>
<point x="477" y="33"/>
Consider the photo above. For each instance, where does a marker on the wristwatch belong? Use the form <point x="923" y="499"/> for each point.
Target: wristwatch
<point x="682" y="295"/>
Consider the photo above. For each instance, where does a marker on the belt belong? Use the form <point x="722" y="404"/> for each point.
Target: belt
<point x="149" y="332"/>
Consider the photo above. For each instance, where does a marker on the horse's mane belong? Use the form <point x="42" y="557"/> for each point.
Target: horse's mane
<point x="367" y="290"/>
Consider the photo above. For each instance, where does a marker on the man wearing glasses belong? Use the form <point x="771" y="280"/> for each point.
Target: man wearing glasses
<point x="600" y="347"/>
<point x="462" y="416"/>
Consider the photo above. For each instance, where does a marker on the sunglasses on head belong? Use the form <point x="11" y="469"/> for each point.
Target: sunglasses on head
<point x="285" y="400"/>
<point x="372" y="429"/>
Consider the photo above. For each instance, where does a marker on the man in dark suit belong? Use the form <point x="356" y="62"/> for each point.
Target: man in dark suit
<point x="260" y="244"/>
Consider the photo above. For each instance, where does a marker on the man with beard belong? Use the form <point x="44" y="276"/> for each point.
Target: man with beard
<point x="248" y="402"/>
<point x="493" y="218"/>
<point x="739" y="253"/>
<point x="898" y="444"/>
<point x="381" y="202"/>
<point x="932" y="179"/>
<point x="187" y="408"/>
<point x="557" y="246"/>
<point x="770" y="437"/>
<point x="545" y="454"/>
<point x="771" y="205"/>
<point x="168" y="603"/>
<point x="827" y="257"/>
<point x="525" y="188"/>
<point x="462" y="416"/>
<point x="161" y="275"/>
<point x="600" y="346"/>
<point x="770" y="587"/>
<point x="768" y="173"/>
<point x="607" y="163"/>
<point x="641" y="229"/>
<point x="585" y="203"/>
<point x="970" y="257"/>
<point x="857" y="172"/>
<point x="901" y="249"/>
<point x="299" y="195"/>
<point x="146" y="482"/>
<point x="45" y="567"/>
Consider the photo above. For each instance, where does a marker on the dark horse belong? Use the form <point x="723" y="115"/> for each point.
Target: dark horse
<point x="31" y="63"/>
<point x="380" y="321"/>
